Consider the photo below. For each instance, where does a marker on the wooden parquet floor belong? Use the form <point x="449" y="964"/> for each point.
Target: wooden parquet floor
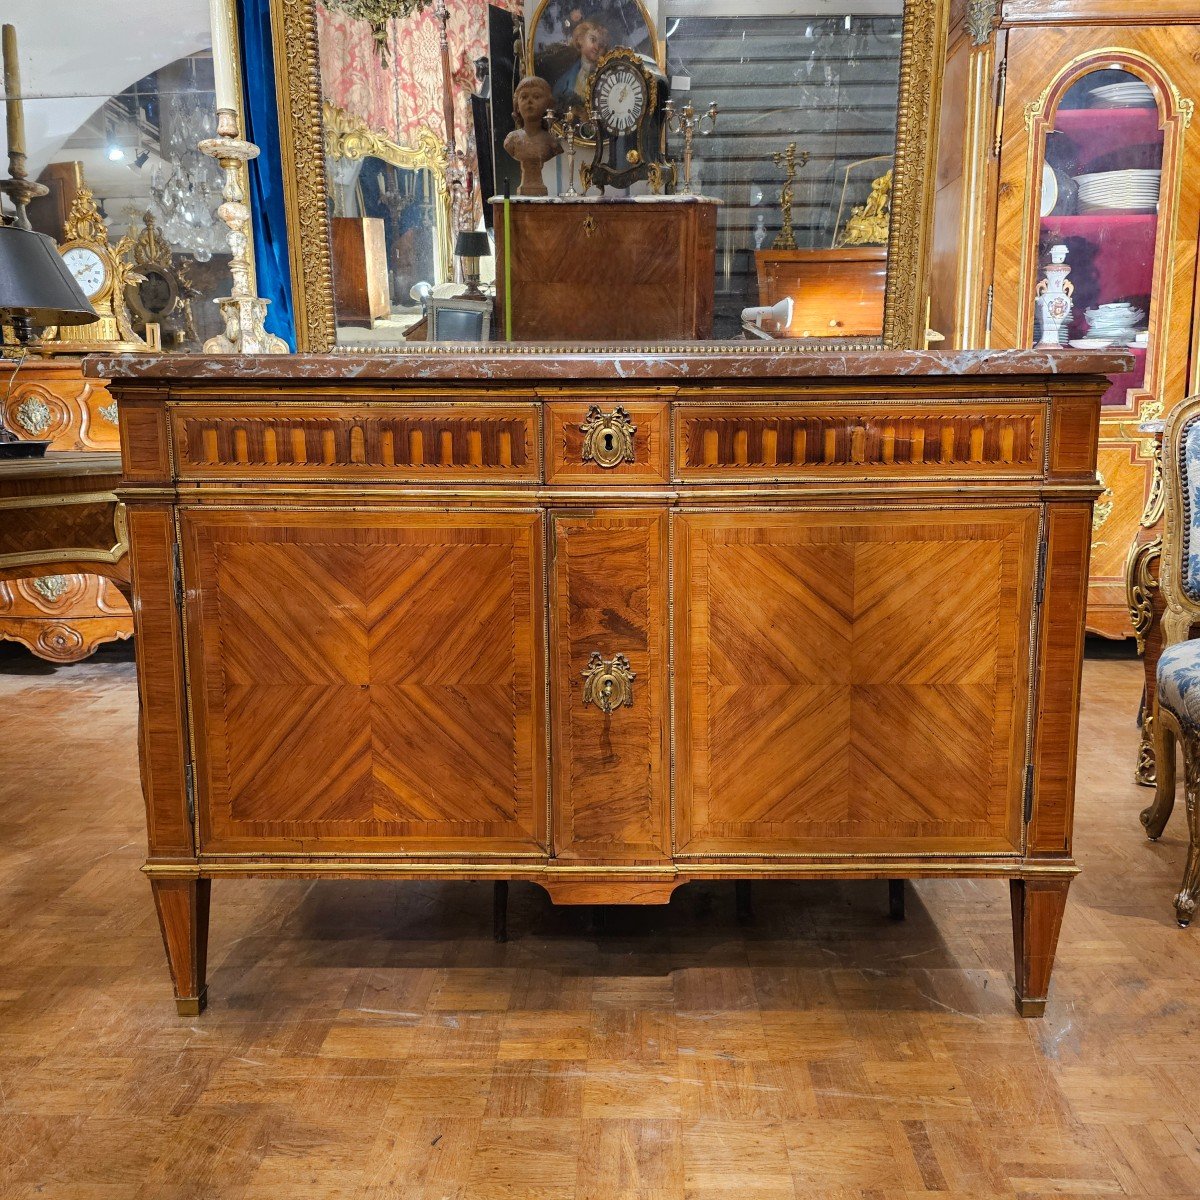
<point x="369" y="1040"/>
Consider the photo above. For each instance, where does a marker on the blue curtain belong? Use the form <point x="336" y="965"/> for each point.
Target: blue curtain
<point x="266" y="172"/>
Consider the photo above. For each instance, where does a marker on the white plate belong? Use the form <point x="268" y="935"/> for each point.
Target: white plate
<point x="1090" y="343"/>
<point x="1124" y="94"/>
<point x="1049" y="190"/>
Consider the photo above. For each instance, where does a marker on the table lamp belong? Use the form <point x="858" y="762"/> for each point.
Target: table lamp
<point x="471" y="246"/>
<point x="35" y="285"/>
<point x="35" y="288"/>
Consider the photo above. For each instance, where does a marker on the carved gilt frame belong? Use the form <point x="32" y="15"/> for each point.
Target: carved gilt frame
<point x="302" y="148"/>
<point x="347" y="136"/>
<point x="660" y="46"/>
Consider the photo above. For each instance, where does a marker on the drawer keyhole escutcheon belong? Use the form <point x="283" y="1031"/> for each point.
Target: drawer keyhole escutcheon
<point x="608" y="683"/>
<point x="608" y="437"/>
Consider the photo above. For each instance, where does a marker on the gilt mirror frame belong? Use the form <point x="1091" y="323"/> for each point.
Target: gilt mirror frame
<point x="303" y="148"/>
<point x="348" y="137"/>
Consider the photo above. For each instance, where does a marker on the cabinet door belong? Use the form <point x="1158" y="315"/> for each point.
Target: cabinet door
<point x="611" y="768"/>
<point x="368" y="681"/>
<point x="1097" y="212"/>
<point x="852" y="682"/>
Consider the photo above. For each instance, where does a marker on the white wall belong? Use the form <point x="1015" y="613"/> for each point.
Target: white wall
<point x="74" y="54"/>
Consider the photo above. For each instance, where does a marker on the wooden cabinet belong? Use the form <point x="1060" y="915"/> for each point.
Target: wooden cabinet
<point x="62" y="618"/>
<point x="835" y="293"/>
<point x="362" y="291"/>
<point x="609" y="270"/>
<point x="1078" y="131"/>
<point x="611" y="625"/>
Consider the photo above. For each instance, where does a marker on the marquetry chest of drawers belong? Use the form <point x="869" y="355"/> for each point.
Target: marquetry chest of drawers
<point x="609" y="622"/>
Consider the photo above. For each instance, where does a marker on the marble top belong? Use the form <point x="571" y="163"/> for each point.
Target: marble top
<point x="704" y="361"/>
<point x="60" y="464"/>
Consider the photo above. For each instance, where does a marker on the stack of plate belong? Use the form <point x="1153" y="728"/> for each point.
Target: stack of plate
<point x="1133" y="94"/>
<point x="1119" y="191"/>
<point x="1114" y="322"/>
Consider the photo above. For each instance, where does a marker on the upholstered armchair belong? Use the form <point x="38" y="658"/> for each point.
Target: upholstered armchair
<point x="1178" y="681"/>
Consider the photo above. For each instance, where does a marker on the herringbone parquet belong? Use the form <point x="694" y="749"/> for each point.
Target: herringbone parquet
<point x="370" y="1041"/>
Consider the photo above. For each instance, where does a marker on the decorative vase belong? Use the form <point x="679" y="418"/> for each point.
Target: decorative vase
<point x="1054" y="299"/>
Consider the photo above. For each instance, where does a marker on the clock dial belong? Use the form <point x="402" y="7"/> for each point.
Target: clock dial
<point x="620" y="99"/>
<point x="87" y="268"/>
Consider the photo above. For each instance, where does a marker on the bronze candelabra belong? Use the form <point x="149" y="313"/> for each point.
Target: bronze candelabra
<point x="569" y="129"/>
<point x="785" y="239"/>
<point x="687" y="122"/>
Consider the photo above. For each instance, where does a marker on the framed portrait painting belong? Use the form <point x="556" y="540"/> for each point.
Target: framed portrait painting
<point x="570" y="37"/>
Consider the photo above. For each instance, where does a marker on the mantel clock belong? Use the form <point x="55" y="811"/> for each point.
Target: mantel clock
<point x="103" y="273"/>
<point x="163" y="295"/>
<point x="624" y="101"/>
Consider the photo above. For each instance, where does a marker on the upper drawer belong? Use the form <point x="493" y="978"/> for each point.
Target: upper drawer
<point x="792" y="441"/>
<point x="606" y="440"/>
<point x="404" y="442"/>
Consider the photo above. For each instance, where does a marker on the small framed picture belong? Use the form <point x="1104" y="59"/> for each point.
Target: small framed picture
<point x="453" y="319"/>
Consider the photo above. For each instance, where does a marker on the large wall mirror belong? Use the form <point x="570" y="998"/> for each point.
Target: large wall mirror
<point x="793" y="210"/>
<point x="113" y="110"/>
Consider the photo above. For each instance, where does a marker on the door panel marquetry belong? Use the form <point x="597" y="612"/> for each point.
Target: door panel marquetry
<point x="375" y="679"/>
<point x="611" y="783"/>
<point x="847" y="680"/>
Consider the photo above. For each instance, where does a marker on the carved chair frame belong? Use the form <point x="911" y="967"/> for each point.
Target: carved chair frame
<point x="303" y="147"/>
<point x="1181" y="610"/>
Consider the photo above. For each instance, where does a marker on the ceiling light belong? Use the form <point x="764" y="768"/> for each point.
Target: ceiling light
<point x="115" y="154"/>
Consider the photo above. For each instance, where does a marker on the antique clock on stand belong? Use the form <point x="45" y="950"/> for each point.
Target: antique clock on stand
<point x="103" y="273"/>
<point x="625" y="101"/>
<point x="163" y="296"/>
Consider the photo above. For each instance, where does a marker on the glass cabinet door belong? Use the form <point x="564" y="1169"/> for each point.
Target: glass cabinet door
<point x="1098" y="210"/>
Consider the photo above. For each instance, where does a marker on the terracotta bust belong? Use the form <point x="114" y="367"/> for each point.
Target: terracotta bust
<point x="531" y="144"/>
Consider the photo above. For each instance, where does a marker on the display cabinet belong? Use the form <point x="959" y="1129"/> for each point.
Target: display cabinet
<point x="1077" y="143"/>
<point x="62" y="618"/>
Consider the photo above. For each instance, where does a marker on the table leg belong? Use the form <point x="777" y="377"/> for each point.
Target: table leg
<point x="1037" y="911"/>
<point x="183" y="917"/>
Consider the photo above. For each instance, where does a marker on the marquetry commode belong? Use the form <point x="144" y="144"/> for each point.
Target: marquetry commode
<point x="610" y="622"/>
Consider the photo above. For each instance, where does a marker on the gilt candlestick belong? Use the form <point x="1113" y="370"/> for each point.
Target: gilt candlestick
<point x="19" y="188"/>
<point x="244" y="312"/>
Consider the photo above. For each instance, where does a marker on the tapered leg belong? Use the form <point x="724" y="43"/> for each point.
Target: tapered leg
<point x="1155" y="818"/>
<point x="743" y="900"/>
<point x="183" y="918"/>
<point x="1037" y="911"/>
<point x="1185" y="901"/>
<point x="500" y="910"/>
<point x="896" y="899"/>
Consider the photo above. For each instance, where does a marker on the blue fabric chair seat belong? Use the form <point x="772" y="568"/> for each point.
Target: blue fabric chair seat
<point x="1179" y="682"/>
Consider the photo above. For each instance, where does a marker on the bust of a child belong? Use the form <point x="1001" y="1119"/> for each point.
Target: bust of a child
<point x="531" y="144"/>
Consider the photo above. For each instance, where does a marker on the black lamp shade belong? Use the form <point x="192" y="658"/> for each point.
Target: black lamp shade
<point x="35" y="282"/>
<point x="473" y="243"/>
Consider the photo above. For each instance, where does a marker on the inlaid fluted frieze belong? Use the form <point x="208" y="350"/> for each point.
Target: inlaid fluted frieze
<point x="791" y="440"/>
<point x="444" y="442"/>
